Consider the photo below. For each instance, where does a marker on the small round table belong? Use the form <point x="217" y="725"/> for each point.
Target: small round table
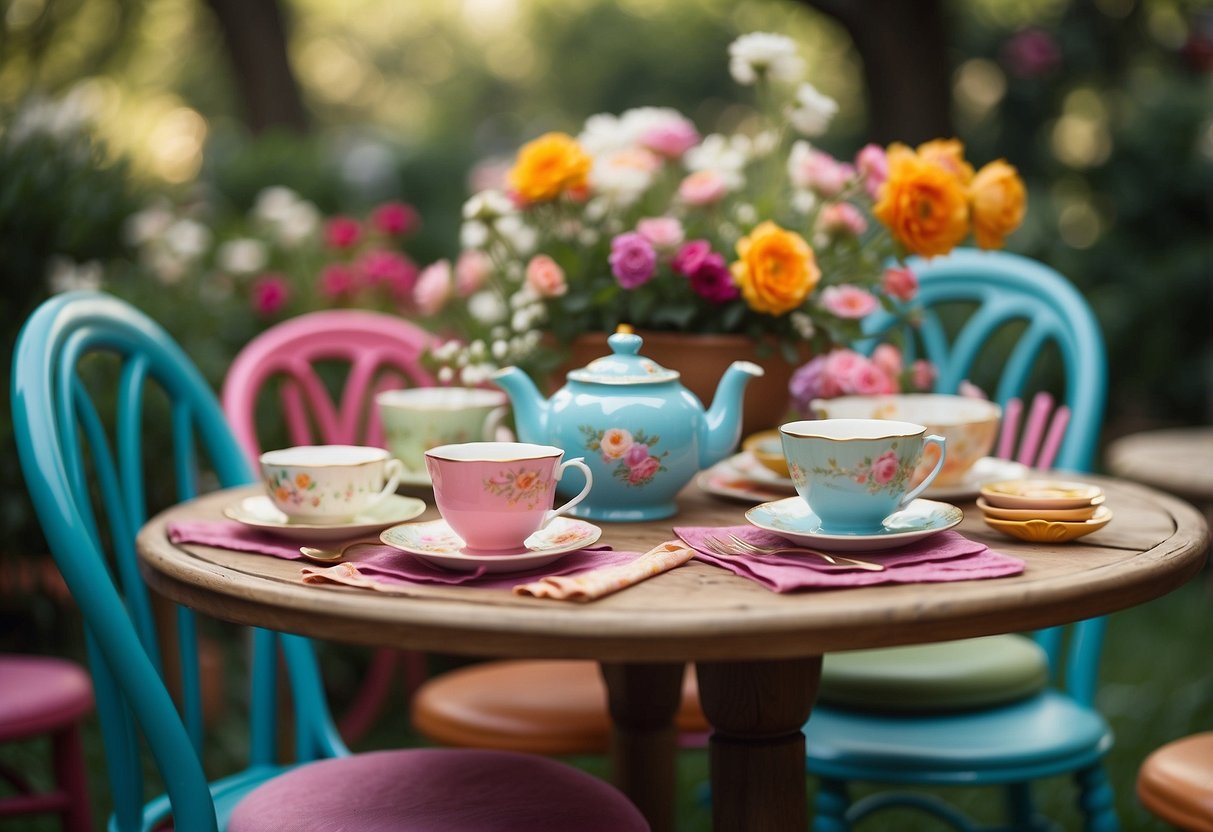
<point x="757" y="653"/>
<point x="1177" y="460"/>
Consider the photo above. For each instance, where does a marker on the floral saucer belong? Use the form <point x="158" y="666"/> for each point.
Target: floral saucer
<point x="436" y="543"/>
<point x="260" y="512"/>
<point x="792" y="518"/>
<point x="986" y="470"/>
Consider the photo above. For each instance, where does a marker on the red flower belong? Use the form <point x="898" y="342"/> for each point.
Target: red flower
<point x="342" y="232"/>
<point x="270" y="293"/>
<point x="395" y="218"/>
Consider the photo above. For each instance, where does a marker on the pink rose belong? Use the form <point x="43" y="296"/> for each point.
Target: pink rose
<point x="842" y="219"/>
<point x="338" y="281"/>
<point x="395" y="218"/>
<point x="900" y="283"/>
<point x="704" y="187"/>
<point x="713" y="281"/>
<point x="885" y="467"/>
<point x="544" y="275"/>
<point x="690" y="257"/>
<point x="342" y="232"/>
<point x="820" y="173"/>
<point x="671" y="138"/>
<point x="922" y="374"/>
<point x="433" y="287"/>
<point x="382" y="267"/>
<point x="636" y="454"/>
<point x="873" y="166"/>
<point x="633" y="260"/>
<point x="643" y="471"/>
<point x="870" y="380"/>
<point x="849" y="301"/>
<point x="270" y="293"/>
<point x="472" y="270"/>
<point x="839" y="366"/>
<point x="888" y="358"/>
<point x="662" y="232"/>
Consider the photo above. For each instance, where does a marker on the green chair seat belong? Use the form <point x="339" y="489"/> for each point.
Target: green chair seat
<point x="944" y="676"/>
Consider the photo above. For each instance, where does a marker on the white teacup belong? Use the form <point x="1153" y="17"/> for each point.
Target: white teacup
<point x="328" y="483"/>
<point x="420" y="418"/>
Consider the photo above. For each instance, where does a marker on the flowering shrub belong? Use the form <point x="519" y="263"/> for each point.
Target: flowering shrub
<point x="284" y="257"/>
<point x="843" y="372"/>
<point x="641" y="220"/>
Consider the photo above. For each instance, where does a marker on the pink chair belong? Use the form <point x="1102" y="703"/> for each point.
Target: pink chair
<point x="1044" y="423"/>
<point x="383" y="352"/>
<point x="45" y="696"/>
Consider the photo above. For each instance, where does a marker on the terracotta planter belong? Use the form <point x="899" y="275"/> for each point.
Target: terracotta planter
<point x="702" y="360"/>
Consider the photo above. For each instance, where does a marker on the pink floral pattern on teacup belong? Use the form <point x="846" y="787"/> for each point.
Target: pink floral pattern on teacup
<point x="631" y="453"/>
<point x="519" y="485"/>
<point x="885" y="473"/>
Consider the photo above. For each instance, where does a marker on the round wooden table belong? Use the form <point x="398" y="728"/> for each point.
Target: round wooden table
<point x="1178" y="460"/>
<point x="757" y="653"/>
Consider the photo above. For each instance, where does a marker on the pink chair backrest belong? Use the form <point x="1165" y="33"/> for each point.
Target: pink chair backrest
<point x="1042" y="433"/>
<point x="384" y="352"/>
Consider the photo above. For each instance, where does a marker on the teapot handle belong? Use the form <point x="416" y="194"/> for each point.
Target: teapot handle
<point x="578" y="462"/>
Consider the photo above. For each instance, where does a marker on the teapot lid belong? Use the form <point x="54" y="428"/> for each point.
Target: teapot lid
<point x="624" y="365"/>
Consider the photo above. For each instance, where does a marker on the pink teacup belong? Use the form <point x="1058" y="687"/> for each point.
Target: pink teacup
<point x="495" y="495"/>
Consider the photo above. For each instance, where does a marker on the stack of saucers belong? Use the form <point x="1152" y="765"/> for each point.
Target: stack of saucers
<point x="1044" y="510"/>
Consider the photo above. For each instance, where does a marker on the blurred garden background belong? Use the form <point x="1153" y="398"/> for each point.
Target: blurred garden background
<point x="186" y="154"/>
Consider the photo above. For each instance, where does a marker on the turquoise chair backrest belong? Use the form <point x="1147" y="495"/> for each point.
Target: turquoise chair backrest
<point x="76" y="475"/>
<point x="1000" y="294"/>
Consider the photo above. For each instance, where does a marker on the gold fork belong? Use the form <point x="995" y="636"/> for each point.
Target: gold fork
<point x="735" y="545"/>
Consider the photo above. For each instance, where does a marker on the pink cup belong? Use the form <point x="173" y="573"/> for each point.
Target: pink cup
<point x="495" y="495"/>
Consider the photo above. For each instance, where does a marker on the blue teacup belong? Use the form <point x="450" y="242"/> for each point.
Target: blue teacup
<point x="853" y="473"/>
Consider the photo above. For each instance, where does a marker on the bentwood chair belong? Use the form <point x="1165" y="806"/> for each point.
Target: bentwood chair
<point x="373" y="352"/>
<point x="91" y="497"/>
<point x="45" y="696"/>
<point x="998" y="725"/>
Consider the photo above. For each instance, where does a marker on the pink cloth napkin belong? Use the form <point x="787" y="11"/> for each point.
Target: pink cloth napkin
<point x="377" y="566"/>
<point x="947" y="556"/>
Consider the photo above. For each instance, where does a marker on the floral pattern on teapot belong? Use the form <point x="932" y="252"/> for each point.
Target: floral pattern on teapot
<point x="632" y="453"/>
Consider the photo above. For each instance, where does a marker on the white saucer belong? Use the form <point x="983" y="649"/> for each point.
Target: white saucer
<point x="261" y="513"/>
<point x="986" y="470"/>
<point x="792" y="518"/>
<point x="723" y="480"/>
<point x="434" y="542"/>
<point x="751" y="469"/>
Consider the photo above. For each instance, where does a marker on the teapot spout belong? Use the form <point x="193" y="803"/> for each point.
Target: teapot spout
<point x="721" y="426"/>
<point x="530" y="407"/>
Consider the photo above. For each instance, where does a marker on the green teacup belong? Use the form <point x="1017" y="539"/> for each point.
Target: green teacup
<point x="421" y="418"/>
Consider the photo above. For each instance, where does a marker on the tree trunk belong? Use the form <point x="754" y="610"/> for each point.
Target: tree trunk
<point x="904" y="49"/>
<point x="254" y="33"/>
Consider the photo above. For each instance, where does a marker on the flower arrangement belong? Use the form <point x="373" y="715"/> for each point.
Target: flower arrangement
<point x="843" y="372"/>
<point x="641" y="220"/>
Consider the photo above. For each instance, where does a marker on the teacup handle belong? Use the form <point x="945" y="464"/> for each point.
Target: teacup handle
<point x="492" y="424"/>
<point x="394" y="468"/>
<point x="922" y="486"/>
<point x="589" y="481"/>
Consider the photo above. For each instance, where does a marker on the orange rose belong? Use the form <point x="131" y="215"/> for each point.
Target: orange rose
<point x="777" y="269"/>
<point x="949" y="154"/>
<point x="998" y="202"/>
<point x="923" y="205"/>
<point x="526" y="480"/>
<point x="302" y="480"/>
<point x="549" y="166"/>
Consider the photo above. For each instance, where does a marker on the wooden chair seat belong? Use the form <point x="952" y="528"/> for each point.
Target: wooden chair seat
<point x="542" y="707"/>
<point x="1175" y="783"/>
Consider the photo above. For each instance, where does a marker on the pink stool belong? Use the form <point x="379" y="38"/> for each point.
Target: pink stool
<point x="39" y="696"/>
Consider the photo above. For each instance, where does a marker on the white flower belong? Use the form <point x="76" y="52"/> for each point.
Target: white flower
<point x="745" y="213"/>
<point x="622" y="178"/>
<point x="486" y="307"/>
<point x="500" y="350"/>
<point x="147" y="225"/>
<point x="605" y="133"/>
<point x="274" y="204"/>
<point x="813" y="111"/>
<point x="242" y="256"/>
<point x="803" y="324"/>
<point x="761" y="54"/>
<point x="473" y="234"/>
<point x="298" y="224"/>
<point x="446" y="375"/>
<point x="517" y="233"/>
<point x="66" y="275"/>
<point x="187" y="239"/>
<point x="724" y="156"/>
<point x="804" y="201"/>
<point x="487" y="206"/>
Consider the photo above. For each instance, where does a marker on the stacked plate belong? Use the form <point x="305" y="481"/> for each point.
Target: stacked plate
<point x="1051" y="511"/>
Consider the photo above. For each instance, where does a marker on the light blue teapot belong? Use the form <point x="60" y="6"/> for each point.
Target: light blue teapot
<point x="641" y="432"/>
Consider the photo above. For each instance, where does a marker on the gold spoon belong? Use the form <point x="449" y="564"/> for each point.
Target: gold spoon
<point x="326" y="555"/>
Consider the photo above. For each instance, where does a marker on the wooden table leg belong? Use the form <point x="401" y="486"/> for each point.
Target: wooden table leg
<point x="757" y="750"/>
<point x="643" y="699"/>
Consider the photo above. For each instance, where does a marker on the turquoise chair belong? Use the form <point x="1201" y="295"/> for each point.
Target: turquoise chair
<point x="70" y="465"/>
<point x="972" y="305"/>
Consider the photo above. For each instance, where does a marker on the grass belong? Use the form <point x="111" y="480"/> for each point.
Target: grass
<point x="1156" y="685"/>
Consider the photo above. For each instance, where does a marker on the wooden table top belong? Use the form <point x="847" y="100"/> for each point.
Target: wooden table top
<point x="1178" y="460"/>
<point x="698" y="612"/>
